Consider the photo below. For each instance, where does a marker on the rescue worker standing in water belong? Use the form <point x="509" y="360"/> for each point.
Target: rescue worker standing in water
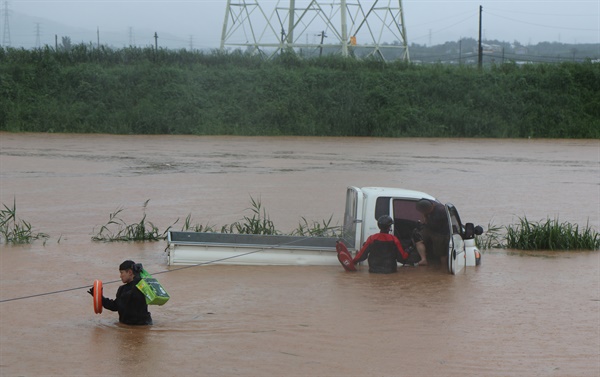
<point x="382" y="249"/>
<point x="130" y="301"/>
<point x="432" y="240"/>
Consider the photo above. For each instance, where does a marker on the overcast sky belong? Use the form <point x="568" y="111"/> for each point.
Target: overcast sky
<point x="427" y="22"/>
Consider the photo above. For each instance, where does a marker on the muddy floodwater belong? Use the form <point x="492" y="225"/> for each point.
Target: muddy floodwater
<point x="518" y="314"/>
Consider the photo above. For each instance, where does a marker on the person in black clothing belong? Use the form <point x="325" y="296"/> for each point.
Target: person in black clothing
<point x="130" y="301"/>
<point x="383" y="249"/>
<point x="434" y="236"/>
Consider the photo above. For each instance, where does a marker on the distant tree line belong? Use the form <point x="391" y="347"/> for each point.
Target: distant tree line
<point x="498" y="52"/>
<point x="465" y="52"/>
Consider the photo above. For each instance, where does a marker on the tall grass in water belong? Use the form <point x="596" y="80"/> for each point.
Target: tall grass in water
<point x="189" y="226"/>
<point x="259" y="223"/>
<point x="491" y="238"/>
<point x="118" y="230"/>
<point x="316" y="229"/>
<point x="15" y="230"/>
<point x="551" y="235"/>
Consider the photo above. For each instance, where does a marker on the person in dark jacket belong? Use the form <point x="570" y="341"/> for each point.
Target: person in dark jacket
<point x="382" y="249"/>
<point x="130" y="301"/>
<point x="434" y="236"/>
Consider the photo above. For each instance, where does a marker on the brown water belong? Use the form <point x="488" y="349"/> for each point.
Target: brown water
<point x="518" y="314"/>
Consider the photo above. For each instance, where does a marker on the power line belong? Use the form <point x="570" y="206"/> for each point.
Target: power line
<point x="543" y="14"/>
<point x="541" y="25"/>
<point x="253" y="251"/>
<point x="445" y="28"/>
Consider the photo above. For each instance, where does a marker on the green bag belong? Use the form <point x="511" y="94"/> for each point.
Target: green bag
<point x="154" y="292"/>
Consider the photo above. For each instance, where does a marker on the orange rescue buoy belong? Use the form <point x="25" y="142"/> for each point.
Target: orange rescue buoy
<point x="97" y="296"/>
<point x="344" y="256"/>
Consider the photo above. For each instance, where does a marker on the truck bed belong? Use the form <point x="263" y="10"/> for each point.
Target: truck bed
<point x="193" y="248"/>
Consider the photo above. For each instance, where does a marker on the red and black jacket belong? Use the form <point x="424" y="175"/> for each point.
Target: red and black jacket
<point x="384" y="251"/>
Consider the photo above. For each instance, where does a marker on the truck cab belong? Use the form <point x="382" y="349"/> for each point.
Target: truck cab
<point x="365" y="205"/>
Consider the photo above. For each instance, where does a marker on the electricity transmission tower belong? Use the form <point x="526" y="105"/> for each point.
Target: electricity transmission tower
<point x="131" y="37"/>
<point x="353" y="27"/>
<point x="6" y="34"/>
<point x="37" y="35"/>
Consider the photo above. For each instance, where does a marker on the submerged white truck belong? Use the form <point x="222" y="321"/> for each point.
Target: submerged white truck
<point x="363" y="207"/>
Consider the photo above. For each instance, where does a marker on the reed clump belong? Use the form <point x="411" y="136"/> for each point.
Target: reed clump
<point x="15" y="230"/>
<point x="551" y="235"/>
<point x="116" y="229"/>
<point x="317" y="229"/>
<point x="259" y="223"/>
<point x="491" y="238"/>
<point x="189" y="226"/>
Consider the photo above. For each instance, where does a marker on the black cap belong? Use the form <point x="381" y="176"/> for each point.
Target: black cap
<point x="127" y="265"/>
<point x="385" y="222"/>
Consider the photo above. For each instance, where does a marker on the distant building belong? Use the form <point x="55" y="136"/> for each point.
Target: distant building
<point x="521" y="50"/>
<point x="490" y="49"/>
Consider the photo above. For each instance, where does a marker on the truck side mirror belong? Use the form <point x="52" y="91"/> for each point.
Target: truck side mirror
<point x="471" y="231"/>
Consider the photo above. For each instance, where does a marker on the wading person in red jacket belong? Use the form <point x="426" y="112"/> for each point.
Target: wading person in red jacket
<point x="382" y="249"/>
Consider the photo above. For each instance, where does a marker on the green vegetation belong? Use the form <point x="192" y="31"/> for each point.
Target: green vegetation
<point x="15" y="230"/>
<point x="259" y="223"/>
<point x="143" y="91"/>
<point x="317" y="229"/>
<point x="189" y="226"/>
<point x="551" y="235"/>
<point x="543" y="235"/>
<point x="527" y="235"/>
<point x="491" y="237"/>
<point x="118" y="230"/>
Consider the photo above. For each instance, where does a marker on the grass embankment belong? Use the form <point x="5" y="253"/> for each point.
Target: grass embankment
<point x="140" y="91"/>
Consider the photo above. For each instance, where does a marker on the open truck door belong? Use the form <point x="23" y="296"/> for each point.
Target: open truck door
<point x="353" y="220"/>
<point x="456" y="245"/>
